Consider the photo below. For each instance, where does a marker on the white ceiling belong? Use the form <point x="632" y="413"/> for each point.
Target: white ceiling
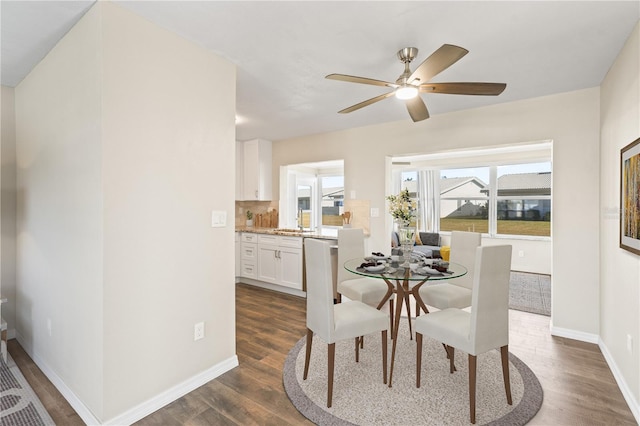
<point x="283" y="50"/>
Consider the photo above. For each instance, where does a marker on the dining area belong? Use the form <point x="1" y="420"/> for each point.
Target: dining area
<point x="383" y="350"/>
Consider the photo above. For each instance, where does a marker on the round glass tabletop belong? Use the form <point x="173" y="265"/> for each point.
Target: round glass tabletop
<point x="418" y="271"/>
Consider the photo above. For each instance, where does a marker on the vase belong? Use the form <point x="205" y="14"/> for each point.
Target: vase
<point x="406" y="238"/>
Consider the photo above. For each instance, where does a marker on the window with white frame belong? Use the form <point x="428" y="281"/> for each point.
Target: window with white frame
<point x="509" y="198"/>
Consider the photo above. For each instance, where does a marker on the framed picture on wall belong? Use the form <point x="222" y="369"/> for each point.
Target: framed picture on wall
<point x="630" y="197"/>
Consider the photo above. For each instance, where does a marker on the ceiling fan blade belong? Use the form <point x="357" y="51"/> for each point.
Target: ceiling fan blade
<point x="361" y="80"/>
<point x="365" y="103"/>
<point x="439" y="61"/>
<point x="417" y="109"/>
<point x="488" y="89"/>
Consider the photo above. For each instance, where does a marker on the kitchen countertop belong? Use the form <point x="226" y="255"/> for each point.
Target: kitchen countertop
<point x="330" y="234"/>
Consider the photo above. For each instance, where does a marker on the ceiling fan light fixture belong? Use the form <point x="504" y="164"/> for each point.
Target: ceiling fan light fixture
<point x="406" y="92"/>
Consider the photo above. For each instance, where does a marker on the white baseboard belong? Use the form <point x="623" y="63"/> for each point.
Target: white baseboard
<point x="153" y="404"/>
<point x="11" y="333"/>
<point x="83" y="411"/>
<point x="622" y="384"/>
<point x="573" y="334"/>
<point x="594" y="338"/>
<point x="141" y="410"/>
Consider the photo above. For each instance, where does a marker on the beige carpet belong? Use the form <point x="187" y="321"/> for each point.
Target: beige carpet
<point x="361" y="398"/>
<point x="530" y="293"/>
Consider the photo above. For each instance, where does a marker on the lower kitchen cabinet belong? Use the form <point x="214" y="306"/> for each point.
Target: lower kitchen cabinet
<point x="248" y="255"/>
<point x="280" y="260"/>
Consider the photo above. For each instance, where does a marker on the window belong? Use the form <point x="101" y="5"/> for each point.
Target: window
<point x="464" y="200"/>
<point x="312" y="195"/>
<point x="512" y="199"/>
<point x="523" y="201"/>
<point x="332" y="199"/>
<point x="495" y="191"/>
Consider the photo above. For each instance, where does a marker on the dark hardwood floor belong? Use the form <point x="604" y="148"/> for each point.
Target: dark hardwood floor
<point x="578" y="386"/>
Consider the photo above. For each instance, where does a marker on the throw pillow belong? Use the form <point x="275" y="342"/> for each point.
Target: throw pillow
<point x="395" y="239"/>
<point x="418" y="241"/>
<point x="430" y="238"/>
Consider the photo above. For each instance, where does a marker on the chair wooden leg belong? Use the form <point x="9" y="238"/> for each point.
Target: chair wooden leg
<point x="391" y="317"/>
<point x="358" y="349"/>
<point x="451" y="367"/>
<point x="472" y="388"/>
<point x="408" y="304"/>
<point x="417" y="309"/>
<point x="452" y="357"/>
<point x="361" y="342"/>
<point x="418" y="358"/>
<point x="504" y="354"/>
<point x="384" y="356"/>
<point x="307" y="355"/>
<point x="331" y="352"/>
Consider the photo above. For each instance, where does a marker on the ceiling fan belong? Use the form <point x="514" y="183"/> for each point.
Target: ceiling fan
<point x="410" y="84"/>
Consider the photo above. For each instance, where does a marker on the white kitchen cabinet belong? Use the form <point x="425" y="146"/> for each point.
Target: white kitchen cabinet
<point x="256" y="170"/>
<point x="280" y="260"/>
<point x="249" y="255"/>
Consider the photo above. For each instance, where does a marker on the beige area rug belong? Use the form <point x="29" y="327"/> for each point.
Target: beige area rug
<point x="360" y="397"/>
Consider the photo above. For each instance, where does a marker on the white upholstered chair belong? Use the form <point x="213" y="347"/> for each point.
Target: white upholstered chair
<point x="369" y="291"/>
<point x="455" y="293"/>
<point x="485" y="328"/>
<point x="334" y="322"/>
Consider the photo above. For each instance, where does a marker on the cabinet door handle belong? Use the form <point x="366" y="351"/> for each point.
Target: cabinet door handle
<point x="256" y="193"/>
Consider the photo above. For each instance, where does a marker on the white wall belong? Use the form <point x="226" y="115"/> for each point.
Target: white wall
<point x="620" y="269"/>
<point x="60" y="212"/>
<point x="119" y="133"/>
<point x="8" y="206"/>
<point x="570" y="120"/>
<point x="168" y="118"/>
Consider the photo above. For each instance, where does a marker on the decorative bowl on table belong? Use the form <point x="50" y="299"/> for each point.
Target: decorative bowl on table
<point x="440" y="266"/>
<point x="377" y="268"/>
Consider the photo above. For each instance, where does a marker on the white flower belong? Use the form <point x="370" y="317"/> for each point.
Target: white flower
<point x="402" y="207"/>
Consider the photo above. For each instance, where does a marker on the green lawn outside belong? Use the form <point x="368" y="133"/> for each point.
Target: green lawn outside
<point x="509" y="227"/>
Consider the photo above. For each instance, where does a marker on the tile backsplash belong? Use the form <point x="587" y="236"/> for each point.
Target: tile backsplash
<point x="257" y="207"/>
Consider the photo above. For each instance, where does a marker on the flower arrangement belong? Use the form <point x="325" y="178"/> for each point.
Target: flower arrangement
<point x="249" y="215"/>
<point x="402" y="207"/>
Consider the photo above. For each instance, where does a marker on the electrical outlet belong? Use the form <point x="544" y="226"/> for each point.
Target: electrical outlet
<point x="521" y="253"/>
<point x="198" y="331"/>
<point x="630" y="344"/>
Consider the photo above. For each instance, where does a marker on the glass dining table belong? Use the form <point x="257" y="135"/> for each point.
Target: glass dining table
<point x="404" y="282"/>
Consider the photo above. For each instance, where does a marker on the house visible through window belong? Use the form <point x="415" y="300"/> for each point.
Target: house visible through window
<point x="464" y="201"/>
<point x="507" y="198"/>
<point x="524" y="199"/>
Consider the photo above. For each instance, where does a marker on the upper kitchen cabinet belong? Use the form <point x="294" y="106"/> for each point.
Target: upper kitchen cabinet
<point x="256" y="170"/>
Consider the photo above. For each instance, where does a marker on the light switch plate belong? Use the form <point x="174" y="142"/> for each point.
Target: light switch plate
<point x="375" y="212"/>
<point x="218" y="219"/>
